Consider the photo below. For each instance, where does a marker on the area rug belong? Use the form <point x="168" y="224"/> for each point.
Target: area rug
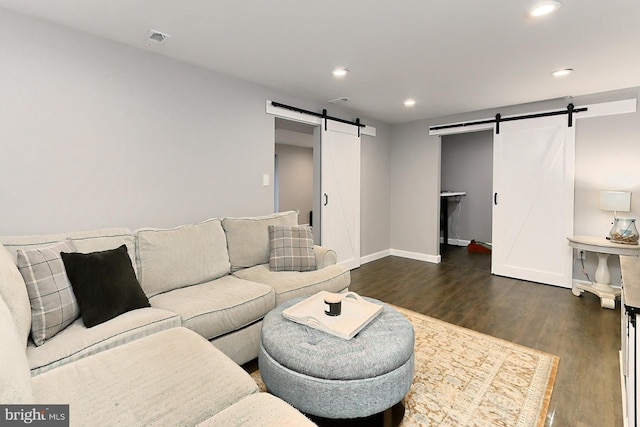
<point x="466" y="378"/>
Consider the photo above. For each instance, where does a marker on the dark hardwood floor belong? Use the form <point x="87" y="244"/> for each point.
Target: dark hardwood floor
<point x="462" y="291"/>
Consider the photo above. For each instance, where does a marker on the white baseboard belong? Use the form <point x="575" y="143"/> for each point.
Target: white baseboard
<point x="376" y="256"/>
<point x="417" y="256"/>
<point x="456" y="242"/>
<point x="435" y="259"/>
<point x="373" y="257"/>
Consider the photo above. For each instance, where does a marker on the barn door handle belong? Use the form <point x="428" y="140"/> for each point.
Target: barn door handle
<point x="495" y="198"/>
<point x="326" y="199"/>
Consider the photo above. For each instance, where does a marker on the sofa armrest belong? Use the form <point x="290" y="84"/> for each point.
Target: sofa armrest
<point x="324" y="256"/>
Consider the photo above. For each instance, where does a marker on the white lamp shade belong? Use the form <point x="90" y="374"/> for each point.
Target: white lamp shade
<point x="615" y="201"/>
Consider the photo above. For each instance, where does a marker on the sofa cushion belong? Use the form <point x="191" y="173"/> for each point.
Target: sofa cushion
<point x="104" y="283"/>
<point x="76" y="341"/>
<point x="182" y="256"/>
<point x="53" y="303"/>
<point x="85" y="241"/>
<point x="242" y="345"/>
<point x="218" y="307"/>
<point x="15" y="379"/>
<point x="14" y="292"/>
<point x="291" y="249"/>
<point x="248" y="237"/>
<point x="171" y="378"/>
<point x="291" y="284"/>
<point x="259" y="410"/>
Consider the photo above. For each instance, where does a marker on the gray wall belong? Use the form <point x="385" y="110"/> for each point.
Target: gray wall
<point x="98" y="134"/>
<point x="94" y="133"/>
<point x="295" y="180"/>
<point x="467" y="165"/>
<point x="375" y="194"/>
<point x="415" y="191"/>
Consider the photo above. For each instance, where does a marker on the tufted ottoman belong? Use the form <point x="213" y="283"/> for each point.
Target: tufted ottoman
<point x="330" y="377"/>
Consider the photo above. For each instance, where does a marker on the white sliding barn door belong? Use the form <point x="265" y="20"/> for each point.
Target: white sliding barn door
<point x="340" y="191"/>
<point x="533" y="183"/>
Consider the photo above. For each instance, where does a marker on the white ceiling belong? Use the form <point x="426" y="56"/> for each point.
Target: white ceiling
<point x="451" y="56"/>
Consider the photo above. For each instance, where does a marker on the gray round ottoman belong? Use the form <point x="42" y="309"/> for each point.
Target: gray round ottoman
<point x="327" y="376"/>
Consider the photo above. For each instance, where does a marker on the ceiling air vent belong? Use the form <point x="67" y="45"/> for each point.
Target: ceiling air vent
<point x="156" y="39"/>
<point x="338" y="100"/>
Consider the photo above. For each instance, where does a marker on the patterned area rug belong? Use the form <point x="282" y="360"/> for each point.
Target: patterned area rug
<point x="466" y="378"/>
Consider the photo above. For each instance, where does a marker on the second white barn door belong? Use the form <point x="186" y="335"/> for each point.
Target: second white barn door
<point x="340" y="191"/>
<point x="533" y="185"/>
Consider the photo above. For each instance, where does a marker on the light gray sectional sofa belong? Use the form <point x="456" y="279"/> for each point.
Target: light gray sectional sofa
<point x="151" y="365"/>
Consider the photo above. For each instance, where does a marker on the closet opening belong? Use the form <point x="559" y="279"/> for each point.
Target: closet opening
<point x="466" y="185"/>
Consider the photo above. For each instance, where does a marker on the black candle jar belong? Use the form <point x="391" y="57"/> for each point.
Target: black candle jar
<point x="333" y="304"/>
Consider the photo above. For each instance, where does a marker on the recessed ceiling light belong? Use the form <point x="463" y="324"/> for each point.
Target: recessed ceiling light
<point x="545" y="8"/>
<point x="340" y="72"/>
<point x="562" y="73"/>
<point x="409" y="102"/>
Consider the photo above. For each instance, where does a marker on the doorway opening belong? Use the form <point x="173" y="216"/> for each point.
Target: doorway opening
<point x="335" y="211"/>
<point x="466" y="167"/>
<point x="294" y="169"/>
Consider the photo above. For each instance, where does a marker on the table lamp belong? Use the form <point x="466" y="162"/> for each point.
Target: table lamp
<point x="624" y="229"/>
<point x="615" y="201"/>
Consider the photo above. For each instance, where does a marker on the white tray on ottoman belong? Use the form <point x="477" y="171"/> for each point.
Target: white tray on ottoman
<point x="356" y="314"/>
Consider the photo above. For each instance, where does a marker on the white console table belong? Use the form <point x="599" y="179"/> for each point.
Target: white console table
<point x="603" y="248"/>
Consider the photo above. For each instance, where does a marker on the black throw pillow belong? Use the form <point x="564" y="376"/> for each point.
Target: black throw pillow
<point x="104" y="283"/>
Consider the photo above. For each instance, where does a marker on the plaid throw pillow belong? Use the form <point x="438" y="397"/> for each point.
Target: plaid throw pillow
<point x="53" y="303"/>
<point x="291" y="249"/>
